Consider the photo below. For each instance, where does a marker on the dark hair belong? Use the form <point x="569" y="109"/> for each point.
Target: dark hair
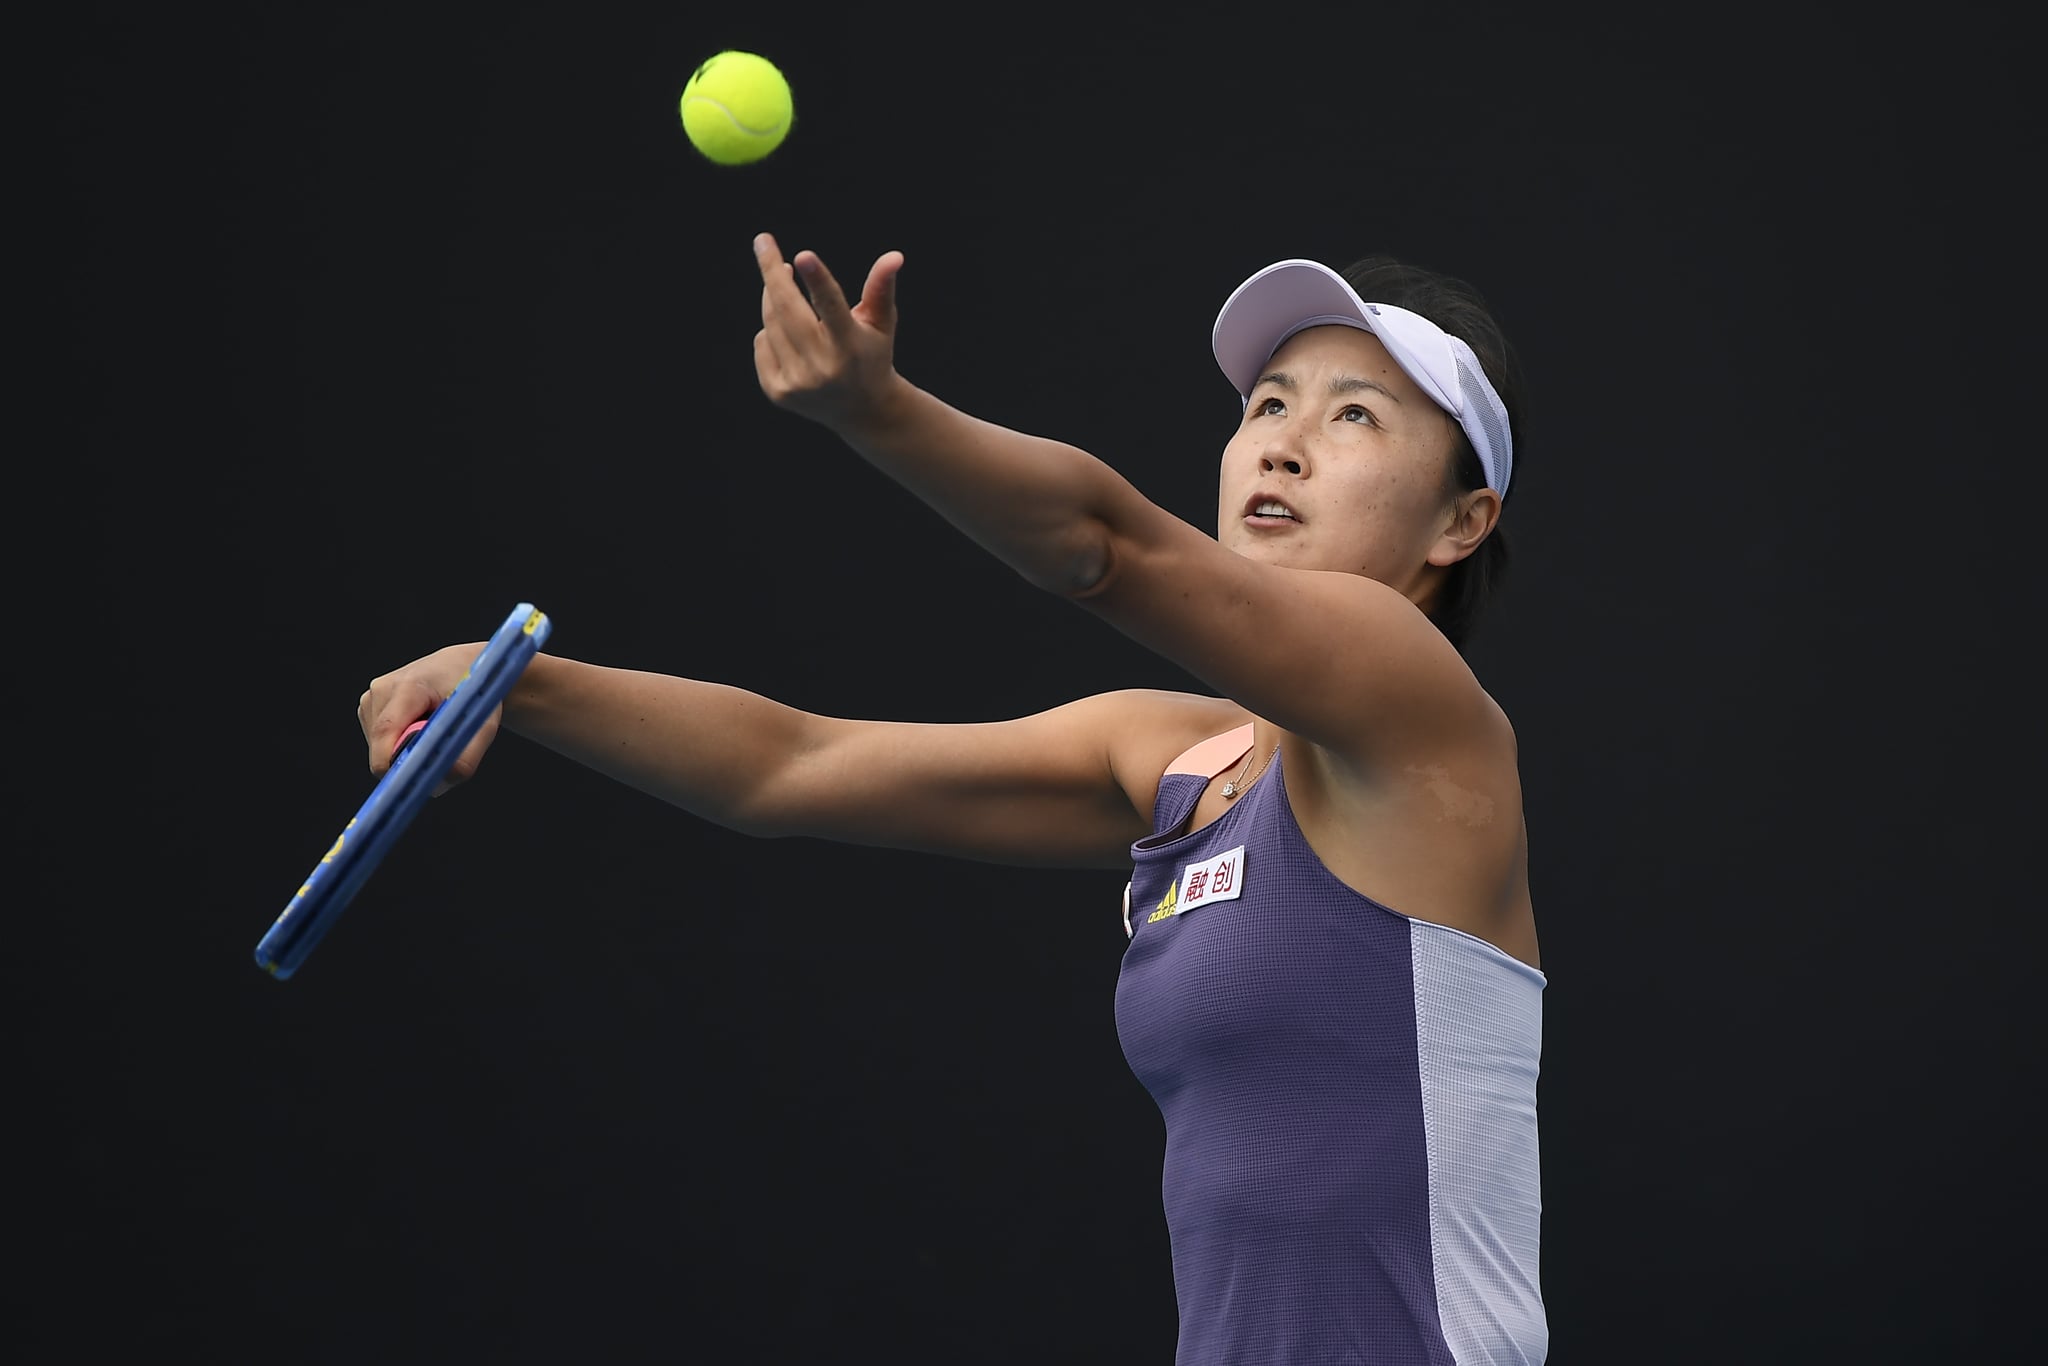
<point x="1458" y="309"/>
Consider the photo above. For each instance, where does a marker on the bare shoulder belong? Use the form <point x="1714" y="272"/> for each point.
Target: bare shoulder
<point x="1432" y="826"/>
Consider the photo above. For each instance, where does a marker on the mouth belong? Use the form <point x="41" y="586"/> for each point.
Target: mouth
<point x="1266" y="510"/>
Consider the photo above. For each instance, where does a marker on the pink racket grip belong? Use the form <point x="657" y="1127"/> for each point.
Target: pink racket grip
<point x="405" y="736"/>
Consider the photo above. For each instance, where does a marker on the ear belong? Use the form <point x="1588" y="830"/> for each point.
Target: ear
<point x="1472" y="519"/>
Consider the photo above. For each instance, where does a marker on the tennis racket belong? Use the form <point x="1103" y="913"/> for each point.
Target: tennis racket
<point x="426" y="751"/>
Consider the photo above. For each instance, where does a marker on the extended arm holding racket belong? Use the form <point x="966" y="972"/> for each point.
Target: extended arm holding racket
<point x="698" y="745"/>
<point x="1029" y="790"/>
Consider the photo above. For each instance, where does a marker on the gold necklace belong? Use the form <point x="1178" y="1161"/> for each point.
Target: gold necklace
<point x="1237" y="784"/>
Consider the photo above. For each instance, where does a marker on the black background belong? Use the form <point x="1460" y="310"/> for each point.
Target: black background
<point x="373" y="321"/>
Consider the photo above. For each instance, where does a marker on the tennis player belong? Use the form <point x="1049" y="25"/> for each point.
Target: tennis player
<point x="1331" y="985"/>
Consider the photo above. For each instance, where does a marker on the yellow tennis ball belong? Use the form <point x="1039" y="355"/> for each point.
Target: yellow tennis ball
<point x="736" y="108"/>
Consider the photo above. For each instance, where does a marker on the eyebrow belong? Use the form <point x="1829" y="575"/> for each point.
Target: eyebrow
<point x="1343" y="384"/>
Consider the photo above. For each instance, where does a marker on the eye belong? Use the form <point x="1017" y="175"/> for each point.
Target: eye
<point x="1268" y="407"/>
<point x="1353" y="413"/>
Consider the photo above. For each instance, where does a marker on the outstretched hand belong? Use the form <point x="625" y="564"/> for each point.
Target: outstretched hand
<point x="816" y="355"/>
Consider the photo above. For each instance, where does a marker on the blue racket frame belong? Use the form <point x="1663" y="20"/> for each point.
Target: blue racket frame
<point x="418" y="767"/>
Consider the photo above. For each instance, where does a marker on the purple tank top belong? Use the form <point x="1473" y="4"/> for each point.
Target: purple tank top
<point x="1349" y="1098"/>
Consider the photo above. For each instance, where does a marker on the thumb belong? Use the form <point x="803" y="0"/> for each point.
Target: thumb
<point x="878" y="295"/>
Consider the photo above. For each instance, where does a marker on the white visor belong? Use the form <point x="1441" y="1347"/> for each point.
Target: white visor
<point x="1289" y="296"/>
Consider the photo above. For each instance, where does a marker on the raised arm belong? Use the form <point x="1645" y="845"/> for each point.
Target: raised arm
<point x="1333" y="655"/>
<point x="1043" y="507"/>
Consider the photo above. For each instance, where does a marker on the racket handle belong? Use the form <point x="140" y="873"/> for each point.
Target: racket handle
<point x="406" y="738"/>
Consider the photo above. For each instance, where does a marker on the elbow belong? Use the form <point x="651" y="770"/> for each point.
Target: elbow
<point x="759" y="814"/>
<point x="1081" y="566"/>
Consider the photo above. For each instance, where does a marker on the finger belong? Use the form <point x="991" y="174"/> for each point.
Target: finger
<point x="778" y="293"/>
<point x="779" y="283"/>
<point x="770" y="345"/>
<point x="785" y="314"/>
<point x="767" y="365"/>
<point x="767" y="254"/>
<point x="472" y="757"/>
<point x="781" y="300"/>
<point x="828" y="301"/>
<point x="878" y="295"/>
<point x="385" y="712"/>
<point x="774" y="338"/>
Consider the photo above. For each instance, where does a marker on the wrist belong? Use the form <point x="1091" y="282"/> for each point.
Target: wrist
<point x="528" y="693"/>
<point x="882" y="413"/>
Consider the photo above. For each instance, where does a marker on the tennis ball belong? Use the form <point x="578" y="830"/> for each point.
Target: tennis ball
<point x="736" y="108"/>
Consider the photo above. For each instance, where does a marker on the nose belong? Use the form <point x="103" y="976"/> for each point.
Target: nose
<point x="1284" y="450"/>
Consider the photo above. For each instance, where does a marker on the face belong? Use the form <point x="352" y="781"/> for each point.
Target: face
<point x="1342" y="463"/>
